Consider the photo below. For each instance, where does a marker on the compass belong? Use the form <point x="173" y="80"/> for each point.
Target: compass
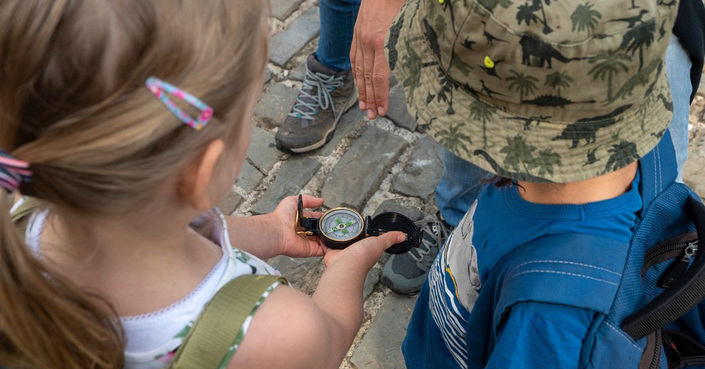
<point x="340" y="227"/>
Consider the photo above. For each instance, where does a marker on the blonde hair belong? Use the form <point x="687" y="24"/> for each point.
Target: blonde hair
<point x="73" y="103"/>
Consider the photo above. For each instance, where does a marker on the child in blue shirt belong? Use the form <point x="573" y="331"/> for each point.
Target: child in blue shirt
<point x="559" y="100"/>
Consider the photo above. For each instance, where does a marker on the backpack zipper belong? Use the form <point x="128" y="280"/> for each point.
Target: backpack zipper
<point x="668" y="249"/>
<point x="678" y="266"/>
<point x="656" y="359"/>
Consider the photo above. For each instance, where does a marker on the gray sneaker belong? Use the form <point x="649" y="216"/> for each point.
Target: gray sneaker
<point x="406" y="273"/>
<point x="323" y="98"/>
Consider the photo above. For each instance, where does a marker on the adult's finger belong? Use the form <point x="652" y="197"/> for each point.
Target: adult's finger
<point x="380" y="81"/>
<point x="368" y="57"/>
<point x="359" y="71"/>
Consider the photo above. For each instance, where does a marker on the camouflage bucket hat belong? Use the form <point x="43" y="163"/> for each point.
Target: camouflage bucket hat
<point x="537" y="90"/>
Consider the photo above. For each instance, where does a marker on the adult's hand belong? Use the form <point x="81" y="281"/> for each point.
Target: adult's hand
<point x="369" y="63"/>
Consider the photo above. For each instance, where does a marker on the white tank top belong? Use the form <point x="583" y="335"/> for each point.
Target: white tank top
<point x="153" y="338"/>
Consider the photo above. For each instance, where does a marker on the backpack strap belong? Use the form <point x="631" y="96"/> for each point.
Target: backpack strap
<point x="578" y="270"/>
<point x="684" y="294"/>
<point x="215" y="330"/>
<point x="658" y="169"/>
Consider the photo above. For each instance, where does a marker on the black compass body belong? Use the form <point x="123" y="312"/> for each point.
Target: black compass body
<point x="340" y="227"/>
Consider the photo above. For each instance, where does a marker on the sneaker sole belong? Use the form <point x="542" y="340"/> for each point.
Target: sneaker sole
<point x="329" y="134"/>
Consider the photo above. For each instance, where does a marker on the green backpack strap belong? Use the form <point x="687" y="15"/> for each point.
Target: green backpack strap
<point x="215" y="330"/>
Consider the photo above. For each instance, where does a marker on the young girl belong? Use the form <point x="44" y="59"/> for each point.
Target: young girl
<point x="129" y="120"/>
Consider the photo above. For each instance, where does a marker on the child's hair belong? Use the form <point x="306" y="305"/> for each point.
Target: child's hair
<point x="73" y="104"/>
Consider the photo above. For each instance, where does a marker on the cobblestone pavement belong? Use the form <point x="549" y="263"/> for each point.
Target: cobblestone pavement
<point x="369" y="165"/>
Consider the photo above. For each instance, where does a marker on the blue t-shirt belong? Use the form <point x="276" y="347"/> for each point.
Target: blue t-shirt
<point x="443" y="334"/>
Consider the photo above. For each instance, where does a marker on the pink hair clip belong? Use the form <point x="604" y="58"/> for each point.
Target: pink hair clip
<point x="13" y="172"/>
<point x="159" y="87"/>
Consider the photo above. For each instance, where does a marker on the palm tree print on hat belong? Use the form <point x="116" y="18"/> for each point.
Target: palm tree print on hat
<point x="608" y="65"/>
<point x="453" y="139"/>
<point x="527" y="13"/>
<point x="521" y="83"/>
<point x="391" y="46"/>
<point x="519" y="154"/>
<point x="584" y="18"/>
<point x="545" y="160"/>
<point x="520" y="157"/>
<point x="482" y="112"/>
<point x="412" y="63"/>
<point x="558" y="81"/>
<point x="639" y="37"/>
<point x="506" y="173"/>
<point x="623" y="154"/>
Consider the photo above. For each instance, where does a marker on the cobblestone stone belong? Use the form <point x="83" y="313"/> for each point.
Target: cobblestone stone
<point x="250" y="177"/>
<point x="289" y="42"/>
<point x="275" y="105"/>
<point x="262" y="152"/>
<point x="363" y="167"/>
<point x="422" y="171"/>
<point x="282" y="9"/>
<point x="379" y="348"/>
<point x="292" y="177"/>
<point x="298" y="73"/>
<point x="397" y="109"/>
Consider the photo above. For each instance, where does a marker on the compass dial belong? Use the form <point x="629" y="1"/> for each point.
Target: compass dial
<point x="341" y="224"/>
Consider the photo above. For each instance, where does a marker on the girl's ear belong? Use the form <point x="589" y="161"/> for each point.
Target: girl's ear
<point x="196" y="179"/>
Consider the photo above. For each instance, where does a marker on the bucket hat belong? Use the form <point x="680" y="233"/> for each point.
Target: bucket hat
<point x="537" y="90"/>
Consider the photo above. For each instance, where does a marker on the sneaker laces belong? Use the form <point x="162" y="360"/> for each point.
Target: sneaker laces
<point x="433" y="232"/>
<point x="307" y="103"/>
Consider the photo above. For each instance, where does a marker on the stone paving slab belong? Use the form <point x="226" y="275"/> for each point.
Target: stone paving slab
<point x="292" y="177"/>
<point x="282" y="9"/>
<point x="275" y="105"/>
<point x="360" y="171"/>
<point x="289" y="42"/>
<point x="397" y="109"/>
<point x="422" y="171"/>
<point x="381" y="346"/>
<point x="298" y="73"/>
<point x="249" y="178"/>
<point x="262" y="152"/>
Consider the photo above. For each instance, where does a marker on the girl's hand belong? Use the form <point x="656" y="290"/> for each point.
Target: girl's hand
<point x="366" y="252"/>
<point x="284" y="216"/>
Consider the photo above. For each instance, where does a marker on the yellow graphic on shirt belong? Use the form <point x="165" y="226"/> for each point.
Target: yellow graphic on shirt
<point x="450" y="272"/>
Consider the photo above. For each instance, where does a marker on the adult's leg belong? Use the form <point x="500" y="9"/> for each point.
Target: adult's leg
<point x="459" y="186"/>
<point x="678" y="72"/>
<point x="337" y="26"/>
<point x="328" y="89"/>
